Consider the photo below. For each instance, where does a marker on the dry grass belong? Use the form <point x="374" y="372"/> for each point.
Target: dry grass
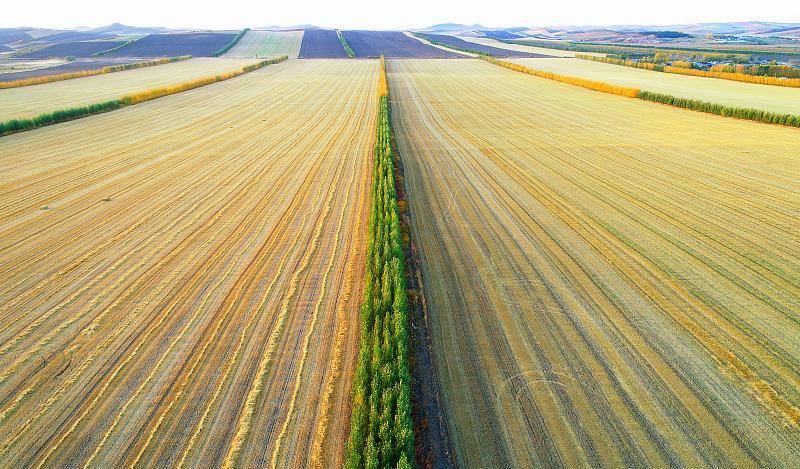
<point x="168" y="326"/>
<point x="610" y="281"/>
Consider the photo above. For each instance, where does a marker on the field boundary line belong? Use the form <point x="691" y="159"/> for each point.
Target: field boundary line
<point x="89" y="73"/>
<point x="63" y="115"/>
<point x="751" y="114"/>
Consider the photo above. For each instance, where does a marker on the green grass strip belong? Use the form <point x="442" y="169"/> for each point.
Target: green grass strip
<point x="381" y="427"/>
<point x="63" y="115"/>
<point x="347" y="48"/>
<point x="230" y="45"/>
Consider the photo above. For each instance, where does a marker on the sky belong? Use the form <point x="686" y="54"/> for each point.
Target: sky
<point x="372" y="14"/>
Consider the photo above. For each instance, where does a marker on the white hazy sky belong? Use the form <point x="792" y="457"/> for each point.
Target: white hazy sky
<point x="372" y="14"/>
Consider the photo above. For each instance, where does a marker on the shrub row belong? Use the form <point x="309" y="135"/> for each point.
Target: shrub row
<point x="62" y="115"/>
<point x="230" y="45"/>
<point x="381" y="428"/>
<point x="582" y="82"/>
<point x="114" y="49"/>
<point x="346" y="46"/>
<point x="88" y="73"/>
<point x="720" y="110"/>
<point x="743" y="77"/>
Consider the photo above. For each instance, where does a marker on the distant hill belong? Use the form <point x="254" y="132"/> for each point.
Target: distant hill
<point x="119" y="28"/>
<point x="288" y="28"/>
<point x="452" y="28"/>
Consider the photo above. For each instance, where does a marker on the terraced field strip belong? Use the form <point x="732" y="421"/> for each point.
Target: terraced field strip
<point x="730" y="93"/>
<point x="190" y="298"/>
<point x="487" y="41"/>
<point x="26" y="102"/>
<point x="259" y="44"/>
<point x="610" y="281"/>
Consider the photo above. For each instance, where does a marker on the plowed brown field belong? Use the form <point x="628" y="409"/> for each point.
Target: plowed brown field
<point x="610" y="281"/>
<point x="189" y="297"/>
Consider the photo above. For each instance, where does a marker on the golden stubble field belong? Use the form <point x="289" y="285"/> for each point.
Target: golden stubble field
<point x="30" y="101"/>
<point x="190" y="295"/>
<point x="610" y="281"/>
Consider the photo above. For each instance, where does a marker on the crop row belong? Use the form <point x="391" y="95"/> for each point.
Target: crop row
<point x="88" y="73"/>
<point x="381" y="432"/>
<point x="62" y="115"/>
<point x="230" y="45"/>
<point x="734" y="76"/>
<point x="685" y="103"/>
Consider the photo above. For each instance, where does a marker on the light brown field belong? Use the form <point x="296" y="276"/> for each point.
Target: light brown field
<point x="266" y="44"/>
<point x="206" y="314"/>
<point x="776" y="99"/>
<point x="30" y="101"/>
<point x="610" y="281"/>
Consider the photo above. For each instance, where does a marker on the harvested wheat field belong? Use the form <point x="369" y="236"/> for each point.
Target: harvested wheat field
<point x="265" y="44"/>
<point x="778" y="99"/>
<point x="180" y="280"/>
<point x="610" y="281"/>
<point x="487" y="41"/>
<point x="30" y="101"/>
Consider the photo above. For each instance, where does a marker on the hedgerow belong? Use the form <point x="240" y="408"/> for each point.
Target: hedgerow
<point x="114" y="49"/>
<point x="381" y="428"/>
<point x="89" y="73"/>
<point x="347" y="48"/>
<point x="721" y="110"/>
<point x="63" y="115"/>
<point x="683" y="70"/>
<point x="230" y="45"/>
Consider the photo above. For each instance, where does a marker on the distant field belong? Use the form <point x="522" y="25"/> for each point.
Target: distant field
<point x="392" y="44"/>
<point x="461" y="43"/>
<point x="265" y="44"/>
<point x="61" y="68"/>
<point x="321" y="44"/>
<point x="174" y="45"/>
<point x="610" y="282"/>
<point x="30" y="101"/>
<point x="731" y="93"/>
<point x="206" y="312"/>
<point x="521" y="48"/>
<point x="76" y="49"/>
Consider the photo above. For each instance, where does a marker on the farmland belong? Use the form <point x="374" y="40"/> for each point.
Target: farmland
<point x="58" y="68"/>
<point x="321" y="44"/>
<point x="392" y="44"/>
<point x="31" y="101"/>
<point x="76" y="49"/>
<point x="200" y="280"/>
<point x="258" y="44"/>
<point x="458" y="43"/>
<point x="610" y="281"/>
<point x="174" y="45"/>
<point x="486" y="41"/>
<point x="747" y="95"/>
